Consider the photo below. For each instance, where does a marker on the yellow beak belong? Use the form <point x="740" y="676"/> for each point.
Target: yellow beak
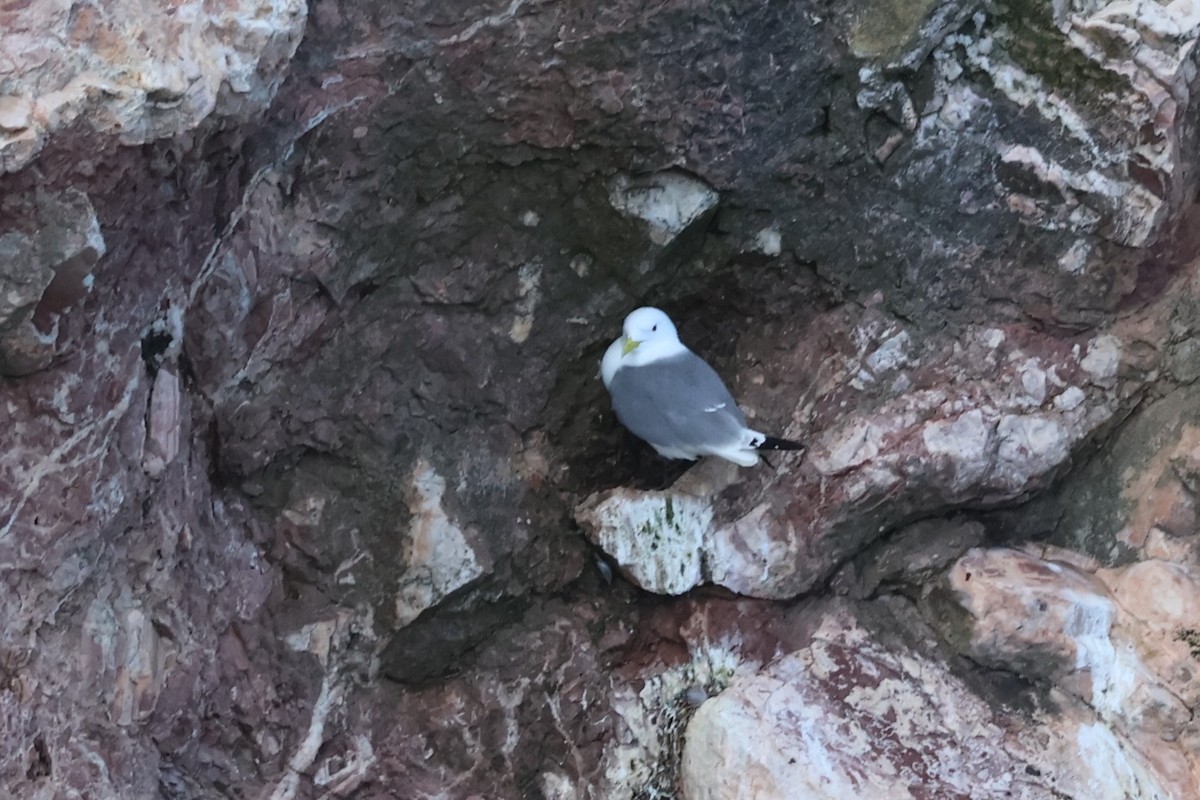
<point x="630" y="346"/>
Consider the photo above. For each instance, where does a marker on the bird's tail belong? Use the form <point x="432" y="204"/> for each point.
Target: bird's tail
<point x="775" y="443"/>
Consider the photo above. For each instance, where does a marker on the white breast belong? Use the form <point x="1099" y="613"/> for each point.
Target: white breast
<point x="612" y="361"/>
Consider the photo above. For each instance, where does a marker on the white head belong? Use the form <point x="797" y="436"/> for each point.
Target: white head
<point x="647" y="326"/>
<point x="648" y="335"/>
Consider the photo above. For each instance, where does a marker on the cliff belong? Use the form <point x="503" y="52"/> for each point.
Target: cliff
<point x="309" y="488"/>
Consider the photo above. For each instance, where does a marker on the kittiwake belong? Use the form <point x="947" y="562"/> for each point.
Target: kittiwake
<point x="672" y="399"/>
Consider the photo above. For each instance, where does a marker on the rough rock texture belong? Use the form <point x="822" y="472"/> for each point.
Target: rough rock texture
<point x="849" y="715"/>
<point x="136" y="72"/>
<point x="1127" y="666"/>
<point x="49" y="251"/>
<point x="1023" y="401"/>
<point x="300" y="316"/>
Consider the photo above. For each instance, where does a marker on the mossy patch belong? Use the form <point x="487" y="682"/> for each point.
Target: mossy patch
<point x="886" y="28"/>
<point x="1190" y="637"/>
<point x="1038" y="46"/>
<point x="1092" y="509"/>
<point x="662" y="525"/>
<point x="665" y="707"/>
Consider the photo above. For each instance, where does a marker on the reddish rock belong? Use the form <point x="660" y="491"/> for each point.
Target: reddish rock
<point x="851" y="716"/>
<point x="300" y="342"/>
<point x="941" y="421"/>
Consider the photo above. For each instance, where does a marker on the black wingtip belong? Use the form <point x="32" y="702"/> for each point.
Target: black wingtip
<point x="773" y="443"/>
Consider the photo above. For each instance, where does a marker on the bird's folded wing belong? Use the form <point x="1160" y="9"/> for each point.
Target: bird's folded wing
<point x="678" y="403"/>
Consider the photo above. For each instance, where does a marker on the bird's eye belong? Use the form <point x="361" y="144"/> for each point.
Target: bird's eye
<point x="653" y="327"/>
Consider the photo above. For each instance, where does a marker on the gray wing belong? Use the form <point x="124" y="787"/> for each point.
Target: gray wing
<point x="678" y="403"/>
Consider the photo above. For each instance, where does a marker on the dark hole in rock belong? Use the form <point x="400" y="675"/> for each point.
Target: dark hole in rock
<point x="1149" y="178"/>
<point x="826" y="127"/>
<point x="366" y="289"/>
<point x="161" y="629"/>
<point x="1021" y="178"/>
<point x="440" y="641"/>
<point x="39" y="764"/>
<point x="69" y="284"/>
<point x="154" y="344"/>
<point x="163" y="97"/>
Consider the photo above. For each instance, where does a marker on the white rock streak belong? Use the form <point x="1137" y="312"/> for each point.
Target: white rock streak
<point x="667" y="202"/>
<point x="437" y="556"/>
<point x="162" y="423"/>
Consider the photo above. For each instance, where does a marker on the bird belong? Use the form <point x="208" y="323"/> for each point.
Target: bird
<point x="673" y="400"/>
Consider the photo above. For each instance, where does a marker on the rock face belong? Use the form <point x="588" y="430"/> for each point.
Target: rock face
<point x="309" y="489"/>
<point x="849" y="716"/>
<point x="48" y="256"/>
<point x="1021" y="406"/>
<point x="136" y="73"/>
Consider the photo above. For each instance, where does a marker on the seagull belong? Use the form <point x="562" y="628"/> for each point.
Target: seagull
<point x="671" y="398"/>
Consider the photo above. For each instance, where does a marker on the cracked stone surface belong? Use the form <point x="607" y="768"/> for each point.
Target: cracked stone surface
<point x="309" y="488"/>
<point x="849" y="716"/>
<point x="52" y="243"/>
<point x="136" y="73"/>
<point x="916" y="447"/>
